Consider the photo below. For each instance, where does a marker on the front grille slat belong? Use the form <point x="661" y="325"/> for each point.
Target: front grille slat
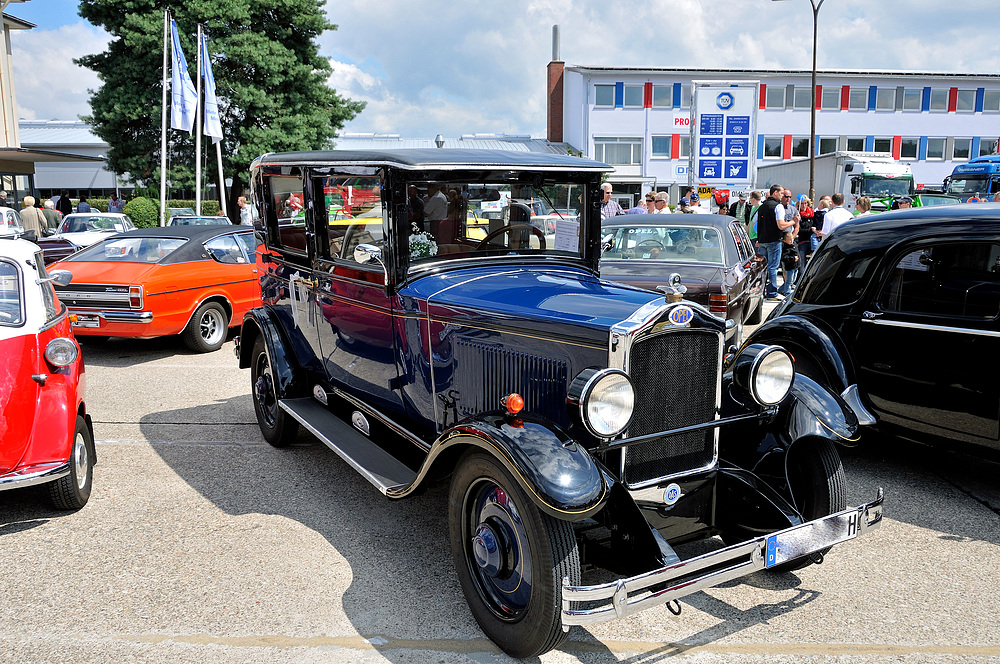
<point x="676" y="376"/>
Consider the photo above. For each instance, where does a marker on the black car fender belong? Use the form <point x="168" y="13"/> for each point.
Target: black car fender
<point x="259" y="322"/>
<point x="558" y="473"/>
<point x="818" y="352"/>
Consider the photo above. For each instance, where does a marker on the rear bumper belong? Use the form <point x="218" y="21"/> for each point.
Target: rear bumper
<point x="626" y="597"/>
<point x="97" y="319"/>
<point x="40" y="474"/>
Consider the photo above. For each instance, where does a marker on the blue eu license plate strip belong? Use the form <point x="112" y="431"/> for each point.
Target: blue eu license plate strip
<point x="810" y="537"/>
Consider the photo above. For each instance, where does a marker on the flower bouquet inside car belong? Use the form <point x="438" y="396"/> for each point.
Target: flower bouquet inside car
<point x="422" y="244"/>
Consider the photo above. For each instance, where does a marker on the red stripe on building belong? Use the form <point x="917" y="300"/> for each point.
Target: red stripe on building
<point x="647" y="96"/>
<point x="819" y="96"/>
<point x="763" y="96"/>
<point x="845" y="97"/>
<point x="952" y="100"/>
<point x="897" y="146"/>
<point x="675" y="146"/>
<point x="786" y="147"/>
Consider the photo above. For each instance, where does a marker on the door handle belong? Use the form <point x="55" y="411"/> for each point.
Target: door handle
<point x="871" y="315"/>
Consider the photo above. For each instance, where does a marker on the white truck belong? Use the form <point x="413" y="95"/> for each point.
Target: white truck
<point x="854" y="174"/>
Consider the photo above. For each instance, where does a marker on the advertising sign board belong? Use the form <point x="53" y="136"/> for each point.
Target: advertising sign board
<point x="724" y="131"/>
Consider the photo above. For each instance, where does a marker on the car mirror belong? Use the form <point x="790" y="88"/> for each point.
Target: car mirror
<point x="61" y="277"/>
<point x="607" y="242"/>
<point x="367" y="253"/>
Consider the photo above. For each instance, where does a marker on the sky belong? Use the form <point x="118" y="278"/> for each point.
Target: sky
<point x="457" y="67"/>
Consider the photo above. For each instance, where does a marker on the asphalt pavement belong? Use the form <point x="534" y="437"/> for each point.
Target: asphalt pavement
<point x="201" y="543"/>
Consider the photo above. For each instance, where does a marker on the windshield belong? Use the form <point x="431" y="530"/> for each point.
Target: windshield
<point x="673" y="243"/>
<point x="130" y="250"/>
<point x="493" y="218"/>
<point x="972" y="185"/>
<point x="876" y="187"/>
<point x="85" y="223"/>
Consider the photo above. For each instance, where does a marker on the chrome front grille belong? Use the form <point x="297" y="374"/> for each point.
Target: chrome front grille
<point x="676" y="378"/>
<point x="94" y="295"/>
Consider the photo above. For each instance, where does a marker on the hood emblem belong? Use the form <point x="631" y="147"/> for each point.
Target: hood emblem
<point x="681" y="315"/>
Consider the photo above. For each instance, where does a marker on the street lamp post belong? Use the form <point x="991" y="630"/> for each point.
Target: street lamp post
<point x="812" y="107"/>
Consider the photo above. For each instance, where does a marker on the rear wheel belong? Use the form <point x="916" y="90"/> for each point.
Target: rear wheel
<point x="277" y="426"/>
<point x="73" y="491"/>
<point x="206" y="332"/>
<point x="510" y="557"/>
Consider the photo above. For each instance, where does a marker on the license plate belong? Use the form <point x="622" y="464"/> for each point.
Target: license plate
<point x="87" y="320"/>
<point x="810" y="537"/>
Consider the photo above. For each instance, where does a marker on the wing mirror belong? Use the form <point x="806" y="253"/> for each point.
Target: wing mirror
<point x="366" y="254"/>
<point x="607" y="242"/>
<point x="61" y="277"/>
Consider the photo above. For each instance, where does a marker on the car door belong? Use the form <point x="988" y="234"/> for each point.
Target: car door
<point x="236" y="272"/>
<point x="19" y="356"/>
<point x="928" y="344"/>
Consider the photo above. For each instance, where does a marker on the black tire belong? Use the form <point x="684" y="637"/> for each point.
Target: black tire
<point x="277" y="426"/>
<point x="207" y="329"/>
<point x="73" y="491"/>
<point x="817" y="484"/>
<point x="518" y="606"/>
<point x="757" y="316"/>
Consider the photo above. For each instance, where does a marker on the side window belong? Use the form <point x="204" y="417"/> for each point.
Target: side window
<point x="249" y="243"/>
<point x="350" y="212"/>
<point x="742" y="242"/>
<point x="11" y="313"/>
<point x="286" y="200"/>
<point x="225" y="249"/>
<point x="52" y="307"/>
<point x="955" y="279"/>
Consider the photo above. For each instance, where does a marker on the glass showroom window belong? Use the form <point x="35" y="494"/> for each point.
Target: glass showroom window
<point x="800" y="146"/>
<point x="858" y="101"/>
<point x="856" y="143"/>
<point x="966" y="101"/>
<point x="963" y="148"/>
<point x="908" y="148"/>
<point x="883" y="145"/>
<point x="831" y="99"/>
<point x="885" y="99"/>
<point x="772" y="147"/>
<point x="827" y="145"/>
<point x="604" y="95"/>
<point x="991" y="101"/>
<point x="661" y="147"/>
<point x="775" y="98"/>
<point x="663" y="96"/>
<point x="987" y="145"/>
<point x="803" y="98"/>
<point x="939" y="100"/>
<point x="684" y="149"/>
<point x="685" y="96"/>
<point x="935" y="148"/>
<point x="618" y="151"/>
<point x="633" y="96"/>
<point x="912" y="99"/>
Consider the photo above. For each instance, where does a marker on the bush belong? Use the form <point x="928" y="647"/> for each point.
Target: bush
<point x="99" y="204"/>
<point x="144" y="212"/>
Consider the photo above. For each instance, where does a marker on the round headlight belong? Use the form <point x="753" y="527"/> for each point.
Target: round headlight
<point x="772" y="375"/>
<point x="605" y="400"/>
<point x="61" y="352"/>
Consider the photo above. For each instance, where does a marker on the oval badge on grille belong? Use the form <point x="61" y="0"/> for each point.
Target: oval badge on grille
<point x="681" y="315"/>
<point x="672" y="494"/>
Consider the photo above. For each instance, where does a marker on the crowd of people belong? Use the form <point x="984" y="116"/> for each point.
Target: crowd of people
<point x="45" y="220"/>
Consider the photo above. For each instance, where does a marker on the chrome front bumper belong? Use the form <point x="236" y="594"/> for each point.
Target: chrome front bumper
<point x="40" y="474"/>
<point x="629" y="596"/>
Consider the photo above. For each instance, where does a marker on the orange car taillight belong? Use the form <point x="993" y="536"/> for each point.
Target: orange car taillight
<point x="717" y="303"/>
<point x="135" y="297"/>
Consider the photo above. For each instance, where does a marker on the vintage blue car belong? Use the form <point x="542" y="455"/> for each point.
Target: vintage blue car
<point x="580" y="421"/>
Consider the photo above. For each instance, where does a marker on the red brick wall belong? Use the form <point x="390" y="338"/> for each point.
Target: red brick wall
<point x="554" y="119"/>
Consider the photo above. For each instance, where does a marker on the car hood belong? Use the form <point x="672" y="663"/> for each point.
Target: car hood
<point x="543" y="299"/>
<point x="87" y="272"/>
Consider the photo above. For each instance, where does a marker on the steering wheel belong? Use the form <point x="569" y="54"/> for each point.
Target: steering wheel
<point x="651" y="241"/>
<point x="512" y="227"/>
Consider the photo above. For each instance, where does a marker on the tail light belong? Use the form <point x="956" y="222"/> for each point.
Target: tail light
<point x="717" y="303"/>
<point x="135" y="297"/>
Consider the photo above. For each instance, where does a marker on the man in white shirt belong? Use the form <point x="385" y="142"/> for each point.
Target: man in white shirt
<point x="696" y="205"/>
<point x="662" y="203"/>
<point x="837" y="216"/>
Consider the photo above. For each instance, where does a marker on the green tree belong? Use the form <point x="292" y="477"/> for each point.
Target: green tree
<point x="270" y="81"/>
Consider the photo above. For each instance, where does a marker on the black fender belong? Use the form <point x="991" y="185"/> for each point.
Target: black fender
<point x="748" y="506"/>
<point x="259" y="322"/>
<point x="818" y="352"/>
<point x="558" y="473"/>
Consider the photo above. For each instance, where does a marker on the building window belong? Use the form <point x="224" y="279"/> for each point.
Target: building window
<point x="633" y="96"/>
<point x="912" y="99"/>
<point x="775" y="98"/>
<point x="772" y="147"/>
<point x="991" y="101"/>
<point x="935" y="148"/>
<point x="618" y="151"/>
<point x="885" y="99"/>
<point x="963" y="148"/>
<point x="684" y="149"/>
<point x="858" y="100"/>
<point x="966" y="101"/>
<point x="661" y="147"/>
<point x="800" y="146"/>
<point x="987" y="145"/>
<point x="883" y="145"/>
<point x="908" y="148"/>
<point x="831" y="99"/>
<point x="827" y="145"/>
<point x="856" y="143"/>
<point x="939" y="100"/>
<point x="663" y="96"/>
<point x="803" y="98"/>
<point x="604" y="95"/>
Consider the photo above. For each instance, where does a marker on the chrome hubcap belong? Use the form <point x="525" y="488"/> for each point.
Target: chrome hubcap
<point x="81" y="461"/>
<point x="211" y="326"/>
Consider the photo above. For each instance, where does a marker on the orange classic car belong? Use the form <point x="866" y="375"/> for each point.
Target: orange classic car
<point x="190" y="280"/>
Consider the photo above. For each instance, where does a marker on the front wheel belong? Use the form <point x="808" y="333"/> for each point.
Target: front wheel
<point x="73" y="491"/>
<point x="208" y="328"/>
<point x="510" y="557"/>
<point x="277" y="426"/>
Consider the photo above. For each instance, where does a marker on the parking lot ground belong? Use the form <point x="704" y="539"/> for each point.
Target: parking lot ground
<point x="201" y="543"/>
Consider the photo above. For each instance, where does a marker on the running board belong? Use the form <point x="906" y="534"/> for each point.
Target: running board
<point x="375" y="464"/>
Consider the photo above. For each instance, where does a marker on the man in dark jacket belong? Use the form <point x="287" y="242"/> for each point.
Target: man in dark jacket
<point x="770" y="224"/>
<point x="741" y="209"/>
<point x="64" y="205"/>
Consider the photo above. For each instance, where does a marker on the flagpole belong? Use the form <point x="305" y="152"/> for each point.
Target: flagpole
<point x="222" y="180"/>
<point x="197" y="135"/>
<point x="163" y="123"/>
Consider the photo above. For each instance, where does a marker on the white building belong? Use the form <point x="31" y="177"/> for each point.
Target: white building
<point x="639" y="119"/>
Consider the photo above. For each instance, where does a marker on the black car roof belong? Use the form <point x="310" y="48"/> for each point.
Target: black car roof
<point x="886" y="228"/>
<point x="197" y="235"/>
<point x="433" y="158"/>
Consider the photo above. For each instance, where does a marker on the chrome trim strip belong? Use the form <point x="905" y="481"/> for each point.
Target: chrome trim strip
<point x="932" y="328"/>
<point x="123" y="316"/>
<point x="28" y="477"/>
<point x="612" y="600"/>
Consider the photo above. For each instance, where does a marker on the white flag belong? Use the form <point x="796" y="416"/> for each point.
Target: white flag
<point x="212" y="126"/>
<point x="183" y="96"/>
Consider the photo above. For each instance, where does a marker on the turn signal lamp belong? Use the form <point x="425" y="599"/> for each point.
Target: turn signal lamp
<point x="514" y="403"/>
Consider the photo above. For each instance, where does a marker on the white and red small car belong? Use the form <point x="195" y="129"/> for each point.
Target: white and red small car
<point x="46" y="435"/>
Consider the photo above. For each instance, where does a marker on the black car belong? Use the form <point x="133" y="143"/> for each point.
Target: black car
<point x="906" y="306"/>
<point x="580" y="421"/>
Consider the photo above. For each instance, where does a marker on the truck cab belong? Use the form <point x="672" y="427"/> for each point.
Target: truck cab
<point x="977" y="181"/>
